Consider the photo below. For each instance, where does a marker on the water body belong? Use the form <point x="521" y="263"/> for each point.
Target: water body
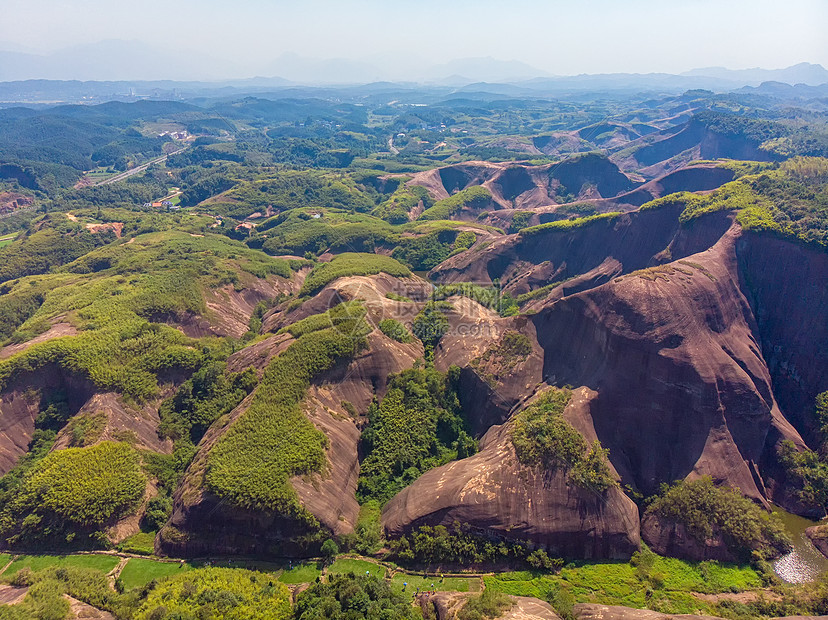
<point x="804" y="563"/>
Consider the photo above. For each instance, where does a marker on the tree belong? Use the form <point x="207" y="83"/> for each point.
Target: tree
<point x="330" y="549"/>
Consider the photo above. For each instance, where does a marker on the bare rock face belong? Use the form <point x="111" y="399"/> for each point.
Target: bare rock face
<point x="527" y="187"/>
<point x="683" y="389"/>
<point x="818" y="535"/>
<point x="21" y="401"/>
<point x="632" y="240"/>
<point x="118" y="422"/>
<point x="672" y="539"/>
<point x="495" y="494"/>
<point x="493" y="381"/>
<point x="685" y="356"/>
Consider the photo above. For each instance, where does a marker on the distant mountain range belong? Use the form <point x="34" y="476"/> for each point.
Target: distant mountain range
<point x="131" y="60"/>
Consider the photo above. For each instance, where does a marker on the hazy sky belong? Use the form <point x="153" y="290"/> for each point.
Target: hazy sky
<point x="562" y="38"/>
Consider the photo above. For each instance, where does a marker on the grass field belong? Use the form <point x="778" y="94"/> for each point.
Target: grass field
<point x="140" y="543"/>
<point x="103" y="563"/>
<point x="669" y="581"/>
<point x="449" y="584"/>
<point x="7" y="239"/>
<point x="358" y="567"/>
<point x="138" y="572"/>
<point x="302" y="573"/>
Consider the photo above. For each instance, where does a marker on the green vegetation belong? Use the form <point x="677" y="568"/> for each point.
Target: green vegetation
<point x="233" y="594"/>
<point x="821" y="414"/>
<point x="491" y="297"/>
<point x="475" y="197"/>
<point x="463" y="242"/>
<point x="320" y="230"/>
<point x="368" y="533"/>
<point x="113" y="297"/>
<point x="488" y="604"/>
<point x="790" y="200"/>
<point x="396" y="297"/>
<point x="250" y="464"/>
<point x="440" y="584"/>
<point x="301" y="573"/>
<point x="59" y="241"/>
<point x="647" y="581"/>
<point x="395" y="330"/>
<point x="357" y="567"/>
<point x="69" y="495"/>
<point x="542" y="437"/>
<point x="201" y="400"/>
<point x="84" y="430"/>
<point x="431" y="324"/>
<point x="520" y="220"/>
<point x="351" y="264"/>
<point x="500" y="358"/>
<point x="439" y="545"/>
<point x="417" y="426"/>
<point x="397" y="209"/>
<point x="345" y="317"/>
<point x="565" y="225"/>
<point x="43" y="601"/>
<point x="426" y="251"/>
<point x="538" y="292"/>
<point x="733" y="196"/>
<point x="354" y="596"/>
<point x="140" y="543"/>
<point x="36" y="563"/>
<point x="138" y="572"/>
<point x="705" y="509"/>
<point x="807" y="473"/>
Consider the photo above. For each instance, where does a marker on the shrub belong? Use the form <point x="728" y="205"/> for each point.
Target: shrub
<point x="202" y="399"/>
<point x="487" y="604"/>
<point x="491" y="297"/>
<point x="231" y="594"/>
<point x="460" y="545"/>
<point x="807" y="473"/>
<point x="431" y="324"/>
<point x="475" y="197"/>
<point x="565" y="225"/>
<point x="330" y="549"/>
<point x="543" y="438"/>
<point x="346" y="596"/>
<point x="77" y="490"/>
<point x="520" y="220"/>
<point x="464" y="241"/>
<point x="345" y="317"/>
<point x="703" y="508"/>
<point x="417" y="426"/>
<point x="426" y="251"/>
<point x="120" y="347"/>
<point x="395" y="330"/>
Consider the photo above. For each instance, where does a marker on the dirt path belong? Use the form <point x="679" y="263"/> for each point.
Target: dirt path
<point x="3" y="570"/>
<point x="112" y="576"/>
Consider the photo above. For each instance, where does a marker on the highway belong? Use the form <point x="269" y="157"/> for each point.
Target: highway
<point x="137" y="169"/>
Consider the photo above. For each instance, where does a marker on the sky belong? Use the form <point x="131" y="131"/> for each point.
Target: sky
<point x="246" y="37"/>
